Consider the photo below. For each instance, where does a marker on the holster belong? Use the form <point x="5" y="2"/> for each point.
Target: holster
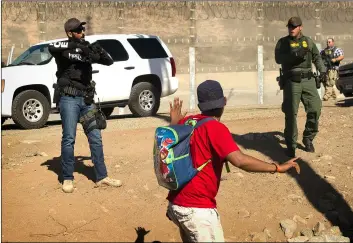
<point x="318" y="81"/>
<point x="280" y="80"/>
<point x="101" y="120"/>
<point x="56" y="97"/>
<point x="93" y="119"/>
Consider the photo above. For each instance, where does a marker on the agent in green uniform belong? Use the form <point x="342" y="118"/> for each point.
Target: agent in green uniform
<point x="296" y="53"/>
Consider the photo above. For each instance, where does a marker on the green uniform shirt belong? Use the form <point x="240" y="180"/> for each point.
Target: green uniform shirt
<point x="284" y="56"/>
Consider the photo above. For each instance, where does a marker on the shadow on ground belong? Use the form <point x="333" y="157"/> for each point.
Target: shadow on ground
<point x="319" y="192"/>
<point x="141" y="232"/>
<point x="54" y="165"/>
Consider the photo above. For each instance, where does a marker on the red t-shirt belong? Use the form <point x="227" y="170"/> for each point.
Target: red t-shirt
<point x="212" y="140"/>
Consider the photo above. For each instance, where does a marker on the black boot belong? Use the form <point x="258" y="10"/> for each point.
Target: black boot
<point x="309" y="147"/>
<point x="290" y="152"/>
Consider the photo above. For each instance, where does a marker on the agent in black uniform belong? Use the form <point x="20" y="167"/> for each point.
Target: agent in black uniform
<point x="74" y="95"/>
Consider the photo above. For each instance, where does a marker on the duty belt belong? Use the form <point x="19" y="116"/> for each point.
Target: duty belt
<point x="72" y="91"/>
<point x="306" y="74"/>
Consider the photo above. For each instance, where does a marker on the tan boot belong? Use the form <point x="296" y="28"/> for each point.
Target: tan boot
<point x="68" y="186"/>
<point x="109" y="182"/>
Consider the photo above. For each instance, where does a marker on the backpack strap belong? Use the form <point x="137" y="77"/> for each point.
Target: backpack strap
<point x="199" y="123"/>
<point x="202" y="121"/>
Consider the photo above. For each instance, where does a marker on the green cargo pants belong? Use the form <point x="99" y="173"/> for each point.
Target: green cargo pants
<point x="306" y="92"/>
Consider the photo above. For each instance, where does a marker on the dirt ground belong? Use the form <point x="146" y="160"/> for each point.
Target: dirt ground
<point x="34" y="208"/>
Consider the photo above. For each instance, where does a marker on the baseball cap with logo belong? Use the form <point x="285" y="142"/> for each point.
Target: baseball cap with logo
<point x="294" y="21"/>
<point x="210" y="95"/>
<point x="72" y="24"/>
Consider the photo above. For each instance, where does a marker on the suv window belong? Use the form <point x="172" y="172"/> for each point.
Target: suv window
<point x="35" y="55"/>
<point x="115" y="49"/>
<point x="148" y="48"/>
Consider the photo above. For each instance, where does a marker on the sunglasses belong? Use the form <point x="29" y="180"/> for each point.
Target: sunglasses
<point x="79" y="30"/>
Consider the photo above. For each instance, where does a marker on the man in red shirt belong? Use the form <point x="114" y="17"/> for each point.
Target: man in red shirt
<point x="193" y="208"/>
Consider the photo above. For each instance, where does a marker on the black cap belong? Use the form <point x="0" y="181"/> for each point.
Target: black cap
<point x="72" y="24"/>
<point x="294" y="21"/>
<point x="210" y="95"/>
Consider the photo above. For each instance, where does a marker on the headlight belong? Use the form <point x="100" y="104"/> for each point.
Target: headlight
<point x="2" y="85"/>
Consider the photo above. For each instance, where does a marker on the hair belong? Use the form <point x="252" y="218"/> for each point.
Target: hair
<point x="331" y="39"/>
<point x="214" y="112"/>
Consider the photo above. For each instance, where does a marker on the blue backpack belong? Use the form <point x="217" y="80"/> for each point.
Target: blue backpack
<point x="172" y="159"/>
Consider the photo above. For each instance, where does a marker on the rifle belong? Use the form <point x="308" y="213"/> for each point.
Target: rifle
<point x="327" y="61"/>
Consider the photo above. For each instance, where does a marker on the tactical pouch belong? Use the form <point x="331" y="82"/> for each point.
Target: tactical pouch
<point x="101" y="120"/>
<point x="88" y="121"/>
<point x="89" y="96"/>
<point x="93" y="119"/>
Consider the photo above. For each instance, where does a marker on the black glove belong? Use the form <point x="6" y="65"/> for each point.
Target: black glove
<point x="84" y="46"/>
<point x="96" y="47"/>
<point x="322" y="76"/>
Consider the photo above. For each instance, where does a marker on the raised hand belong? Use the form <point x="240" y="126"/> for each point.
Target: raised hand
<point x="175" y="111"/>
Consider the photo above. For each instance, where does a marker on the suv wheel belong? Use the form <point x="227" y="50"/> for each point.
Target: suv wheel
<point x="30" y="109"/>
<point x="144" y="99"/>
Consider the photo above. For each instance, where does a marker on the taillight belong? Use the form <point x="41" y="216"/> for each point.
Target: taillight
<point x="172" y="62"/>
<point x="2" y="85"/>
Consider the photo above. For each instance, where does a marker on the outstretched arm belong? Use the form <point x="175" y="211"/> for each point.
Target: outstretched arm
<point x="251" y="164"/>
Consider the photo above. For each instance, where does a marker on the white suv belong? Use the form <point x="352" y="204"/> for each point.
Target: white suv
<point x="143" y="71"/>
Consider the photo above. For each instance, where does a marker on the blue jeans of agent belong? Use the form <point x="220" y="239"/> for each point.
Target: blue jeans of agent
<point x="71" y="109"/>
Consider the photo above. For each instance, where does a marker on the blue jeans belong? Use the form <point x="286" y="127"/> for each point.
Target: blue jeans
<point x="71" y="109"/>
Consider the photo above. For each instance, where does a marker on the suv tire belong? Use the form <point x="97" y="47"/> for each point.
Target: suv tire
<point x="30" y="109"/>
<point x="144" y="99"/>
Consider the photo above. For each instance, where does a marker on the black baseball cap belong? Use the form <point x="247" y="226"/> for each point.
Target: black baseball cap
<point x="294" y="21"/>
<point x="210" y="95"/>
<point x="72" y="24"/>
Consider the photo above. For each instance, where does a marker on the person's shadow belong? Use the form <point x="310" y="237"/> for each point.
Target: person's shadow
<point x="54" y="165"/>
<point x="141" y="232"/>
<point x="319" y="192"/>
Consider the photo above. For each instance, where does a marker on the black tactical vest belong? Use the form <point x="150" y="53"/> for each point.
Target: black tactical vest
<point x="328" y="55"/>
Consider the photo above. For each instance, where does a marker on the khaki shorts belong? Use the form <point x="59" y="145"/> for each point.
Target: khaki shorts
<point x="196" y="224"/>
<point x="331" y="77"/>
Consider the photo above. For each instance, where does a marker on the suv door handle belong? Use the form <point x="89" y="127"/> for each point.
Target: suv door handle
<point x="129" y="68"/>
<point x="95" y="71"/>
